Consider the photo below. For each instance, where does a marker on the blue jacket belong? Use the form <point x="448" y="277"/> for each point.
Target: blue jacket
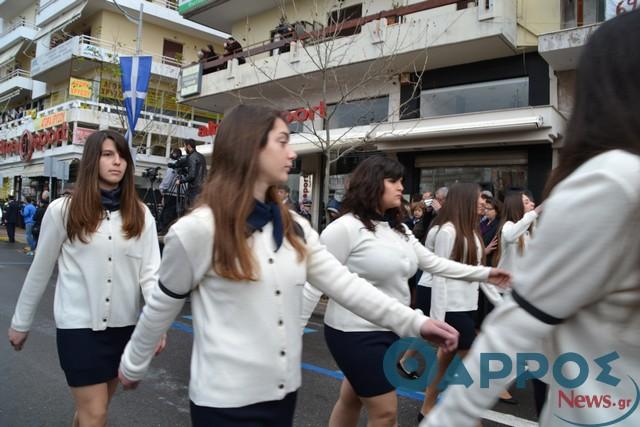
<point x="28" y="213"/>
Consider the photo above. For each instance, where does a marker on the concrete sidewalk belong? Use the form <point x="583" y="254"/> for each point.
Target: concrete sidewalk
<point x="20" y="238"/>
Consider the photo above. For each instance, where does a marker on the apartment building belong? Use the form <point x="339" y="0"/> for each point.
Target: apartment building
<point x="60" y="81"/>
<point x="455" y="90"/>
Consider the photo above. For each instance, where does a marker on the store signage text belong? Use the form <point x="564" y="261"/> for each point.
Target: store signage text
<point x="29" y="142"/>
<point x="80" y="88"/>
<point x="299" y="115"/>
<point x="55" y="119"/>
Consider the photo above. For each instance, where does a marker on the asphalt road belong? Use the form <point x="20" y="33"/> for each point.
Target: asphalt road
<point x="33" y="391"/>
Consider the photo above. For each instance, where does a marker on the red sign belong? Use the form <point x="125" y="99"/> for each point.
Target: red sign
<point x="28" y="142"/>
<point x="299" y="115"/>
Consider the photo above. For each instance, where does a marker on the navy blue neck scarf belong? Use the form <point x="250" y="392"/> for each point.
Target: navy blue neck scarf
<point x="110" y="199"/>
<point x="264" y="213"/>
<point x="386" y="218"/>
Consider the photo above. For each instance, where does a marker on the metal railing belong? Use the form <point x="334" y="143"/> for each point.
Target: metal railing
<point x="21" y="23"/>
<point x="102" y="107"/>
<point x="323" y="34"/>
<point x="169" y="4"/>
<point x="15" y="73"/>
<point x="118" y="49"/>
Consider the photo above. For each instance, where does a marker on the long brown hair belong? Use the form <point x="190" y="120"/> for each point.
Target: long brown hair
<point x="512" y="210"/>
<point x="229" y="190"/>
<point x="461" y="210"/>
<point x="366" y="187"/>
<point x="85" y="209"/>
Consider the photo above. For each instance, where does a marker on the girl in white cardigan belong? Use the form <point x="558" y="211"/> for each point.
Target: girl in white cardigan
<point x="576" y="290"/>
<point x="104" y="242"/>
<point x="244" y="258"/>
<point x="518" y="217"/>
<point x="457" y="238"/>
<point x="372" y="241"/>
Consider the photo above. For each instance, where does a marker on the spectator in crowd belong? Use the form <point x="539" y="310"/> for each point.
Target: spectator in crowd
<point x="173" y="194"/>
<point x="10" y="217"/>
<point x="231" y="47"/>
<point x="196" y="172"/>
<point x="40" y="211"/>
<point x="28" y="213"/>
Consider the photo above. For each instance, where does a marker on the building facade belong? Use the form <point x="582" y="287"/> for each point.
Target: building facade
<point x="60" y="81"/>
<point x="455" y="90"/>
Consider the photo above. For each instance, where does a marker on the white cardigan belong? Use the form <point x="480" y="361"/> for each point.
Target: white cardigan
<point x="385" y="258"/>
<point x="98" y="282"/>
<point x="574" y="291"/>
<point x="451" y="294"/>
<point x="247" y="341"/>
<point x="509" y="237"/>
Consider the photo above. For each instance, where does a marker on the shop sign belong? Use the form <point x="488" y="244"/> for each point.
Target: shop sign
<point x="188" y="5"/>
<point x="299" y="115"/>
<point x="55" y="56"/>
<point x="80" y="88"/>
<point x="81" y="134"/>
<point x="190" y="80"/>
<point x="29" y="142"/>
<point x="55" y="119"/>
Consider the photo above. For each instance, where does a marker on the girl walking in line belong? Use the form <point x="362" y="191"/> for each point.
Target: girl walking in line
<point x="372" y="241"/>
<point x="244" y="258"/>
<point x="104" y="242"/>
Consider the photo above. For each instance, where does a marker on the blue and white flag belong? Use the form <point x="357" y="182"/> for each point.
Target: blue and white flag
<point x="136" y="72"/>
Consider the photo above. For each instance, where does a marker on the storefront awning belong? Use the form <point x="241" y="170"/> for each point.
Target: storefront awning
<point x="61" y="21"/>
<point x="33" y="170"/>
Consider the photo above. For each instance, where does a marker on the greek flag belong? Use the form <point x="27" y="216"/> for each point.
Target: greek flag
<point x="136" y="72"/>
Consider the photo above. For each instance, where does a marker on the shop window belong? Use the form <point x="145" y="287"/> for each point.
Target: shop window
<point x="339" y="16"/>
<point x="358" y="113"/>
<point x="497" y="179"/>
<point x="486" y="96"/>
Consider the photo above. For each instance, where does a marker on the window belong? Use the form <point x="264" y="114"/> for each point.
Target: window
<point x="173" y="50"/>
<point x="358" y="113"/>
<point x="486" y="96"/>
<point x="497" y="179"/>
<point x="342" y="15"/>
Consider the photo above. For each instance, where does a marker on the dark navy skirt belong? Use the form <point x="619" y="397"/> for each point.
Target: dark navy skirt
<point x="90" y="357"/>
<point x="360" y="357"/>
<point x="464" y="323"/>
<point x="275" y="413"/>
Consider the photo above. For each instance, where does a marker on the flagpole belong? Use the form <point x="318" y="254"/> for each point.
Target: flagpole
<point x="139" y="39"/>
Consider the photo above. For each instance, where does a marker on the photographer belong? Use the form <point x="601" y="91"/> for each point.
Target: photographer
<point x="196" y="172"/>
<point x="173" y="193"/>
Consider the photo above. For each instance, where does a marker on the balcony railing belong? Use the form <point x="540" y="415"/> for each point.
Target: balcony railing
<point x="15" y="73"/>
<point x="169" y="4"/>
<point x="309" y="34"/>
<point x="18" y="24"/>
<point x="118" y="49"/>
<point x="103" y="107"/>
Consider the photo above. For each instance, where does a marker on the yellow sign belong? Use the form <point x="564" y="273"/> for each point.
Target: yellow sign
<point x="80" y="88"/>
<point x="55" y="119"/>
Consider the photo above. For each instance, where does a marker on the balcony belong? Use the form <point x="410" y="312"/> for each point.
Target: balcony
<point x="580" y="18"/>
<point x="48" y="10"/>
<point x="402" y="37"/>
<point x="16" y="83"/>
<point x="17" y="33"/>
<point x="53" y="66"/>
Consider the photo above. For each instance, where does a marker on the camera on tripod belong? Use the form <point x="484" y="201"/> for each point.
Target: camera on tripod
<point x="181" y="165"/>
<point x="151" y="173"/>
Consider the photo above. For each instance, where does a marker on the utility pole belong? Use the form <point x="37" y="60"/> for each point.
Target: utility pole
<point x="139" y="39"/>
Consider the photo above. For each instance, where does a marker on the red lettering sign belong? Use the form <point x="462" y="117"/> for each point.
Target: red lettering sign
<point x="28" y="142"/>
<point x="299" y="115"/>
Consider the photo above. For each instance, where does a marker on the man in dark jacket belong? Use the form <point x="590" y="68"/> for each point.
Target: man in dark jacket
<point x="10" y="218"/>
<point x="197" y="172"/>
